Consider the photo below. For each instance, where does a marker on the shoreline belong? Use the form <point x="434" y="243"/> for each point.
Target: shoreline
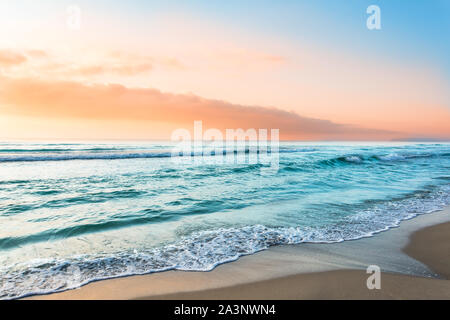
<point x="410" y="270"/>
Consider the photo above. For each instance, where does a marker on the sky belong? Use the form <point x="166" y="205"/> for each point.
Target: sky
<point x="141" y="69"/>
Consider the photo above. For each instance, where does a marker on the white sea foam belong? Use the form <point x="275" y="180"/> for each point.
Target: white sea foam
<point x="356" y="159"/>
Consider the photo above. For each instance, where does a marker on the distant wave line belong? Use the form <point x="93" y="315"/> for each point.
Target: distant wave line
<point x="132" y="155"/>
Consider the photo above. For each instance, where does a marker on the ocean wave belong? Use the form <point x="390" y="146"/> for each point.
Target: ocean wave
<point x="42" y="150"/>
<point x="145" y="216"/>
<point x="203" y="251"/>
<point x="83" y="156"/>
<point x="341" y="160"/>
<point x="355" y="159"/>
<point x="76" y="155"/>
<point x="391" y="157"/>
<point x="118" y="153"/>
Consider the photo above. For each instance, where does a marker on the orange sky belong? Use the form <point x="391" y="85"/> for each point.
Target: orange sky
<point x="93" y="84"/>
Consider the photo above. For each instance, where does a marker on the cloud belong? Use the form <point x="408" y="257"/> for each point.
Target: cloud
<point x="10" y="58"/>
<point x="120" y="69"/>
<point x="133" y="58"/>
<point x="117" y="63"/>
<point x="72" y="100"/>
<point x="37" y="53"/>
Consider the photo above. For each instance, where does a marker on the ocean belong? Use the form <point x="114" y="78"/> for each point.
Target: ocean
<point x="73" y="213"/>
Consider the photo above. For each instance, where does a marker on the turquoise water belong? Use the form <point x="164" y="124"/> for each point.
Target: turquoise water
<point x="77" y="212"/>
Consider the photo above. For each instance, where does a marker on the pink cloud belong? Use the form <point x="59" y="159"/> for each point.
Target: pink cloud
<point x="10" y="58"/>
<point x="72" y="100"/>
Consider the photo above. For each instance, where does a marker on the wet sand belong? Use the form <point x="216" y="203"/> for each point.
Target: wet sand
<point x="432" y="246"/>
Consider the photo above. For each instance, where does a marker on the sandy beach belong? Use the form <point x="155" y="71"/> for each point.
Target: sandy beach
<point x="414" y="259"/>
